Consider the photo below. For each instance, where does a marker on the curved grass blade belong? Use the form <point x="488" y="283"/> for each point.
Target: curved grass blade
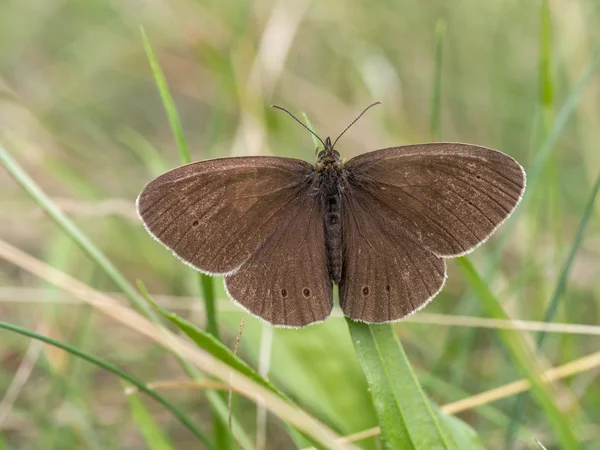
<point x="405" y="415"/>
<point x="221" y="429"/>
<point x="167" y="99"/>
<point x="143" y="150"/>
<point x="542" y="155"/>
<point x="209" y="343"/>
<point x="220" y="351"/>
<point x="564" y="273"/>
<point x="206" y="282"/>
<point x="554" y="301"/>
<point x="544" y="151"/>
<point x="68" y="227"/>
<point x="118" y="372"/>
<point x="435" y="121"/>
<point x="522" y="356"/>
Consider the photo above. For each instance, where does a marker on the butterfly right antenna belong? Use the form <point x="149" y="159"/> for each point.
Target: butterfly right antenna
<point x="354" y="121"/>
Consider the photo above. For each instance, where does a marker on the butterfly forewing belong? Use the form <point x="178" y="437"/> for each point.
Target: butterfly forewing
<point x="286" y="281"/>
<point x="386" y="273"/>
<point x="214" y="214"/>
<point x="449" y="197"/>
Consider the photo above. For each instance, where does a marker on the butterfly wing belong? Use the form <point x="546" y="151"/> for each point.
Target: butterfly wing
<point x="214" y="214"/>
<point x="386" y="274"/>
<point x="286" y="281"/>
<point x="449" y="197"/>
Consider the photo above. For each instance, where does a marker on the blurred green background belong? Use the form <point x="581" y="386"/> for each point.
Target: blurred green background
<point x="79" y="109"/>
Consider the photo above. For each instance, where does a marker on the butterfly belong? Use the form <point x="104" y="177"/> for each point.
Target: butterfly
<point x="282" y="231"/>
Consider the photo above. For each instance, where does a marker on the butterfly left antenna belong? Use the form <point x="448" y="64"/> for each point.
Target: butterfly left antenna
<point x="296" y="119"/>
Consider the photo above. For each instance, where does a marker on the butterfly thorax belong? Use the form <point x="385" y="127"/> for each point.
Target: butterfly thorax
<point x="328" y="157"/>
<point x="329" y="169"/>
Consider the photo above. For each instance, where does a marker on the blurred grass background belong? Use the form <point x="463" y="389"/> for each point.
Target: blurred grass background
<point x="80" y="111"/>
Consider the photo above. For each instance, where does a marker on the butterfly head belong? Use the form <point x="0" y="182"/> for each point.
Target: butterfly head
<point x="328" y="155"/>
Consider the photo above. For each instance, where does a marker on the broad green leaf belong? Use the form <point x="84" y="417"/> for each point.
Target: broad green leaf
<point x="460" y="433"/>
<point x="405" y="415"/>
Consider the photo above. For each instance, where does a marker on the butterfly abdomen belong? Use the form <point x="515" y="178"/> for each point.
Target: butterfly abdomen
<point x="332" y="220"/>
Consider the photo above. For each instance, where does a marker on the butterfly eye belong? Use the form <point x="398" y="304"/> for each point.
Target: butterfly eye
<point x="365" y="290"/>
<point x="284" y="293"/>
<point x="195" y="223"/>
<point x="306" y="292"/>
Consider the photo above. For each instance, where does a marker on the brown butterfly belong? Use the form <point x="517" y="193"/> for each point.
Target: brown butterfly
<point x="282" y="231"/>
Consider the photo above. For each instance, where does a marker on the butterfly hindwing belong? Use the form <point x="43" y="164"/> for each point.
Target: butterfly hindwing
<point x="386" y="274"/>
<point x="286" y="281"/>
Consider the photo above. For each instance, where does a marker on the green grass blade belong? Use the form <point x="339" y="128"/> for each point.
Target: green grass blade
<point x="167" y="99"/>
<point x="549" y="197"/>
<point x="153" y="436"/>
<point x="209" y="343"/>
<point x="143" y="150"/>
<point x="522" y="356"/>
<point x="216" y="348"/>
<point x="563" y="117"/>
<point x="542" y="155"/>
<point x="566" y="270"/>
<point x="206" y="282"/>
<point x="405" y="416"/>
<point x="68" y="384"/>
<point x="208" y="292"/>
<point x="449" y="392"/>
<point x="309" y="124"/>
<point x="118" y="372"/>
<point x="435" y="121"/>
<point x="70" y="229"/>
<point x="220" y="351"/>
<point x="556" y="296"/>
